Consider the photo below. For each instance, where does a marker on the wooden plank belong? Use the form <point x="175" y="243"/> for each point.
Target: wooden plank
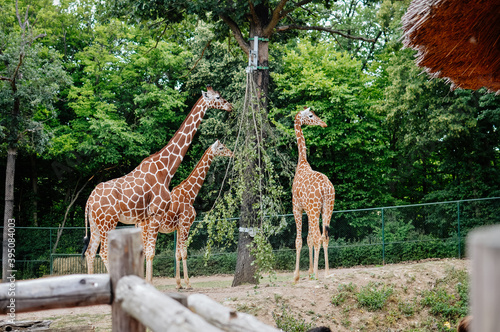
<point x="56" y="292"/>
<point x="181" y="298"/>
<point x="25" y="325"/>
<point x="225" y="318"/>
<point x="157" y="311"/>
<point x="484" y="250"/>
<point x="126" y="257"/>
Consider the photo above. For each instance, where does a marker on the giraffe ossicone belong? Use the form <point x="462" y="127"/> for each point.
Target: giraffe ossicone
<point x="143" y="193"/>
<point x="313" y="192"/>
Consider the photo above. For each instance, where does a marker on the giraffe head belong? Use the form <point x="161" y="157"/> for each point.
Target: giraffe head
<point x="220" y="149"/>
<point x="213" y="100"/>
<point x="308" y="117"/>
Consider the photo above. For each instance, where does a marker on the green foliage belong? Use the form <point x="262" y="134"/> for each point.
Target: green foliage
<point x="288" y="323"/>
<point x="350" y="151"/>
<point x="263" y="253"/>
<point x="345" y="291"/>
<point x="449" y="305"/>
<point x="374" y="296"/>
<point x="407" y="308"/>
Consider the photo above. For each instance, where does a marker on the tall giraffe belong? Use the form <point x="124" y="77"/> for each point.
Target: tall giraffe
<point x="314" y="193"/>
<point x="142" y="193"/>
<point x="180" y="216"/>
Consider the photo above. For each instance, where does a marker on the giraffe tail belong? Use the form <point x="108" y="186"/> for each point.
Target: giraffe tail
<point x="327" y="231"/>
<point x="86" y="239"/>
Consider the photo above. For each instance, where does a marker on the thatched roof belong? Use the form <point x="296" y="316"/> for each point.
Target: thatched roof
<point x="456" y="39"/>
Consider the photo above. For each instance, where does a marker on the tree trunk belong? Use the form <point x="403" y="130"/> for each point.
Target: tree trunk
<point x="245" y="271"/>
<point x="9" y="208"/>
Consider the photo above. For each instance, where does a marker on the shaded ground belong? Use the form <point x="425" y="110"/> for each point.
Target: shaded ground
<point x="325" y="302"/>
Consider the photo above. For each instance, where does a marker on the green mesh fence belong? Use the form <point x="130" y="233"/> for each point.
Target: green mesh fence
<point x="372" y="236"/>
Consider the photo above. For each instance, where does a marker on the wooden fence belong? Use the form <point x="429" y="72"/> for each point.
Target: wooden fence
<point x="135" y="303"/>
<point x="484" y="251"/>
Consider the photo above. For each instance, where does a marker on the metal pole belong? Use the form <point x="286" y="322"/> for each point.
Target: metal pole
<point x="383" y="239"/>
<point x="458" y="230"/>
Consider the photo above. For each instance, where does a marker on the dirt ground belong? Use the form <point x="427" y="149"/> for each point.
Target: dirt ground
<point x="309" y="300"/>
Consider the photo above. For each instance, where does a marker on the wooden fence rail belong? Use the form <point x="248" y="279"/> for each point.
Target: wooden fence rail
<point x="484" y="251"/>
<point x="135" y="303"/>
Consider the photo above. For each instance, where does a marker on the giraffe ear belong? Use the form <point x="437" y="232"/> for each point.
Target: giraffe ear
<point x="205" y="95"/>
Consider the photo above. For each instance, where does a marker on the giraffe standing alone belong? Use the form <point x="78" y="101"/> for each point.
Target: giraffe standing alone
<point x="314" y="193"/>
<point x="143" y="193"/>
<point x="181" y="214"/>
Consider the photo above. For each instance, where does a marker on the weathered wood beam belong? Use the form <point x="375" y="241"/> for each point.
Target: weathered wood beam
<point x="159" y="312"/>
<point x="56" y="292"/>
<point x="225" y="318"/>
<point x="484" y="251"/>
<point x="126" y="257"/>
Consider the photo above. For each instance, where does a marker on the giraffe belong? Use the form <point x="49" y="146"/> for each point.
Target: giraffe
<point x="142" y="193"/>
<point x="314" y="193"/>
<point x="181" y="213"/>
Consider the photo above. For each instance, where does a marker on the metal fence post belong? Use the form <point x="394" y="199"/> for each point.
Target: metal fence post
<point x="458" y="230"/>
<point x="383" y="239"/>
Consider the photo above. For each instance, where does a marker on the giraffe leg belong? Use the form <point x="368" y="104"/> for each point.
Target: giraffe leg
<point x="325" y="249"/>
<point x="178" y="257"/>
<point x="297" y="213"/>
<point x="314" y="241"/>
<point x="91" y="251"/>
<point x="326" y="216"/>
<point x="149" y="249"/>
<point x="317" y="248"/>
<point x="182" y="249"/>
<point x="103" y="252"/>
<point x="310" y="245"/>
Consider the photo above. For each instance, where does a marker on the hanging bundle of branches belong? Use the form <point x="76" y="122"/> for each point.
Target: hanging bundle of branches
<point x="252" y="175"/>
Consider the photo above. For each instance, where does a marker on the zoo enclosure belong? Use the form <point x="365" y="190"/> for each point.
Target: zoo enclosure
<point x="357" y="237"/>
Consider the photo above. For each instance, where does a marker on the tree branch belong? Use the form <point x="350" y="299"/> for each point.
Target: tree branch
<point x="255" y="18"/>
<point x="196" y="63"/>
<point x="236" y="33"/>
<point x="297" y="5"/>
<point x="318" y="28"/>
<point x="18" y="16"/>
<point x="13" y="80"/>
<point x="276" y="17"/>
<point x="40" y="36"/>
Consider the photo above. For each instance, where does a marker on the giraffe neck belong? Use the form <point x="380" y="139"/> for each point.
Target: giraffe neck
<point x="301" y="143"/>
<point x="171" y="156"/>
<point x="195" y="180"/>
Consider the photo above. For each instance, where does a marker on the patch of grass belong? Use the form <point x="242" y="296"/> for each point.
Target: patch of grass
<point x="286" y="322"/>
<point x="344" y="292"/>
<point x="374" y="296"/>
<point x="251" y="309"/>
<point x="80" y="320"/>
<point x="443" y="303"/>
<point x="407" y="308"/>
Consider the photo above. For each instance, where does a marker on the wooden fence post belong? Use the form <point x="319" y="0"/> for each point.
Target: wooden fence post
<point x="484" y="249"/>
<point x="126" y="257"/>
